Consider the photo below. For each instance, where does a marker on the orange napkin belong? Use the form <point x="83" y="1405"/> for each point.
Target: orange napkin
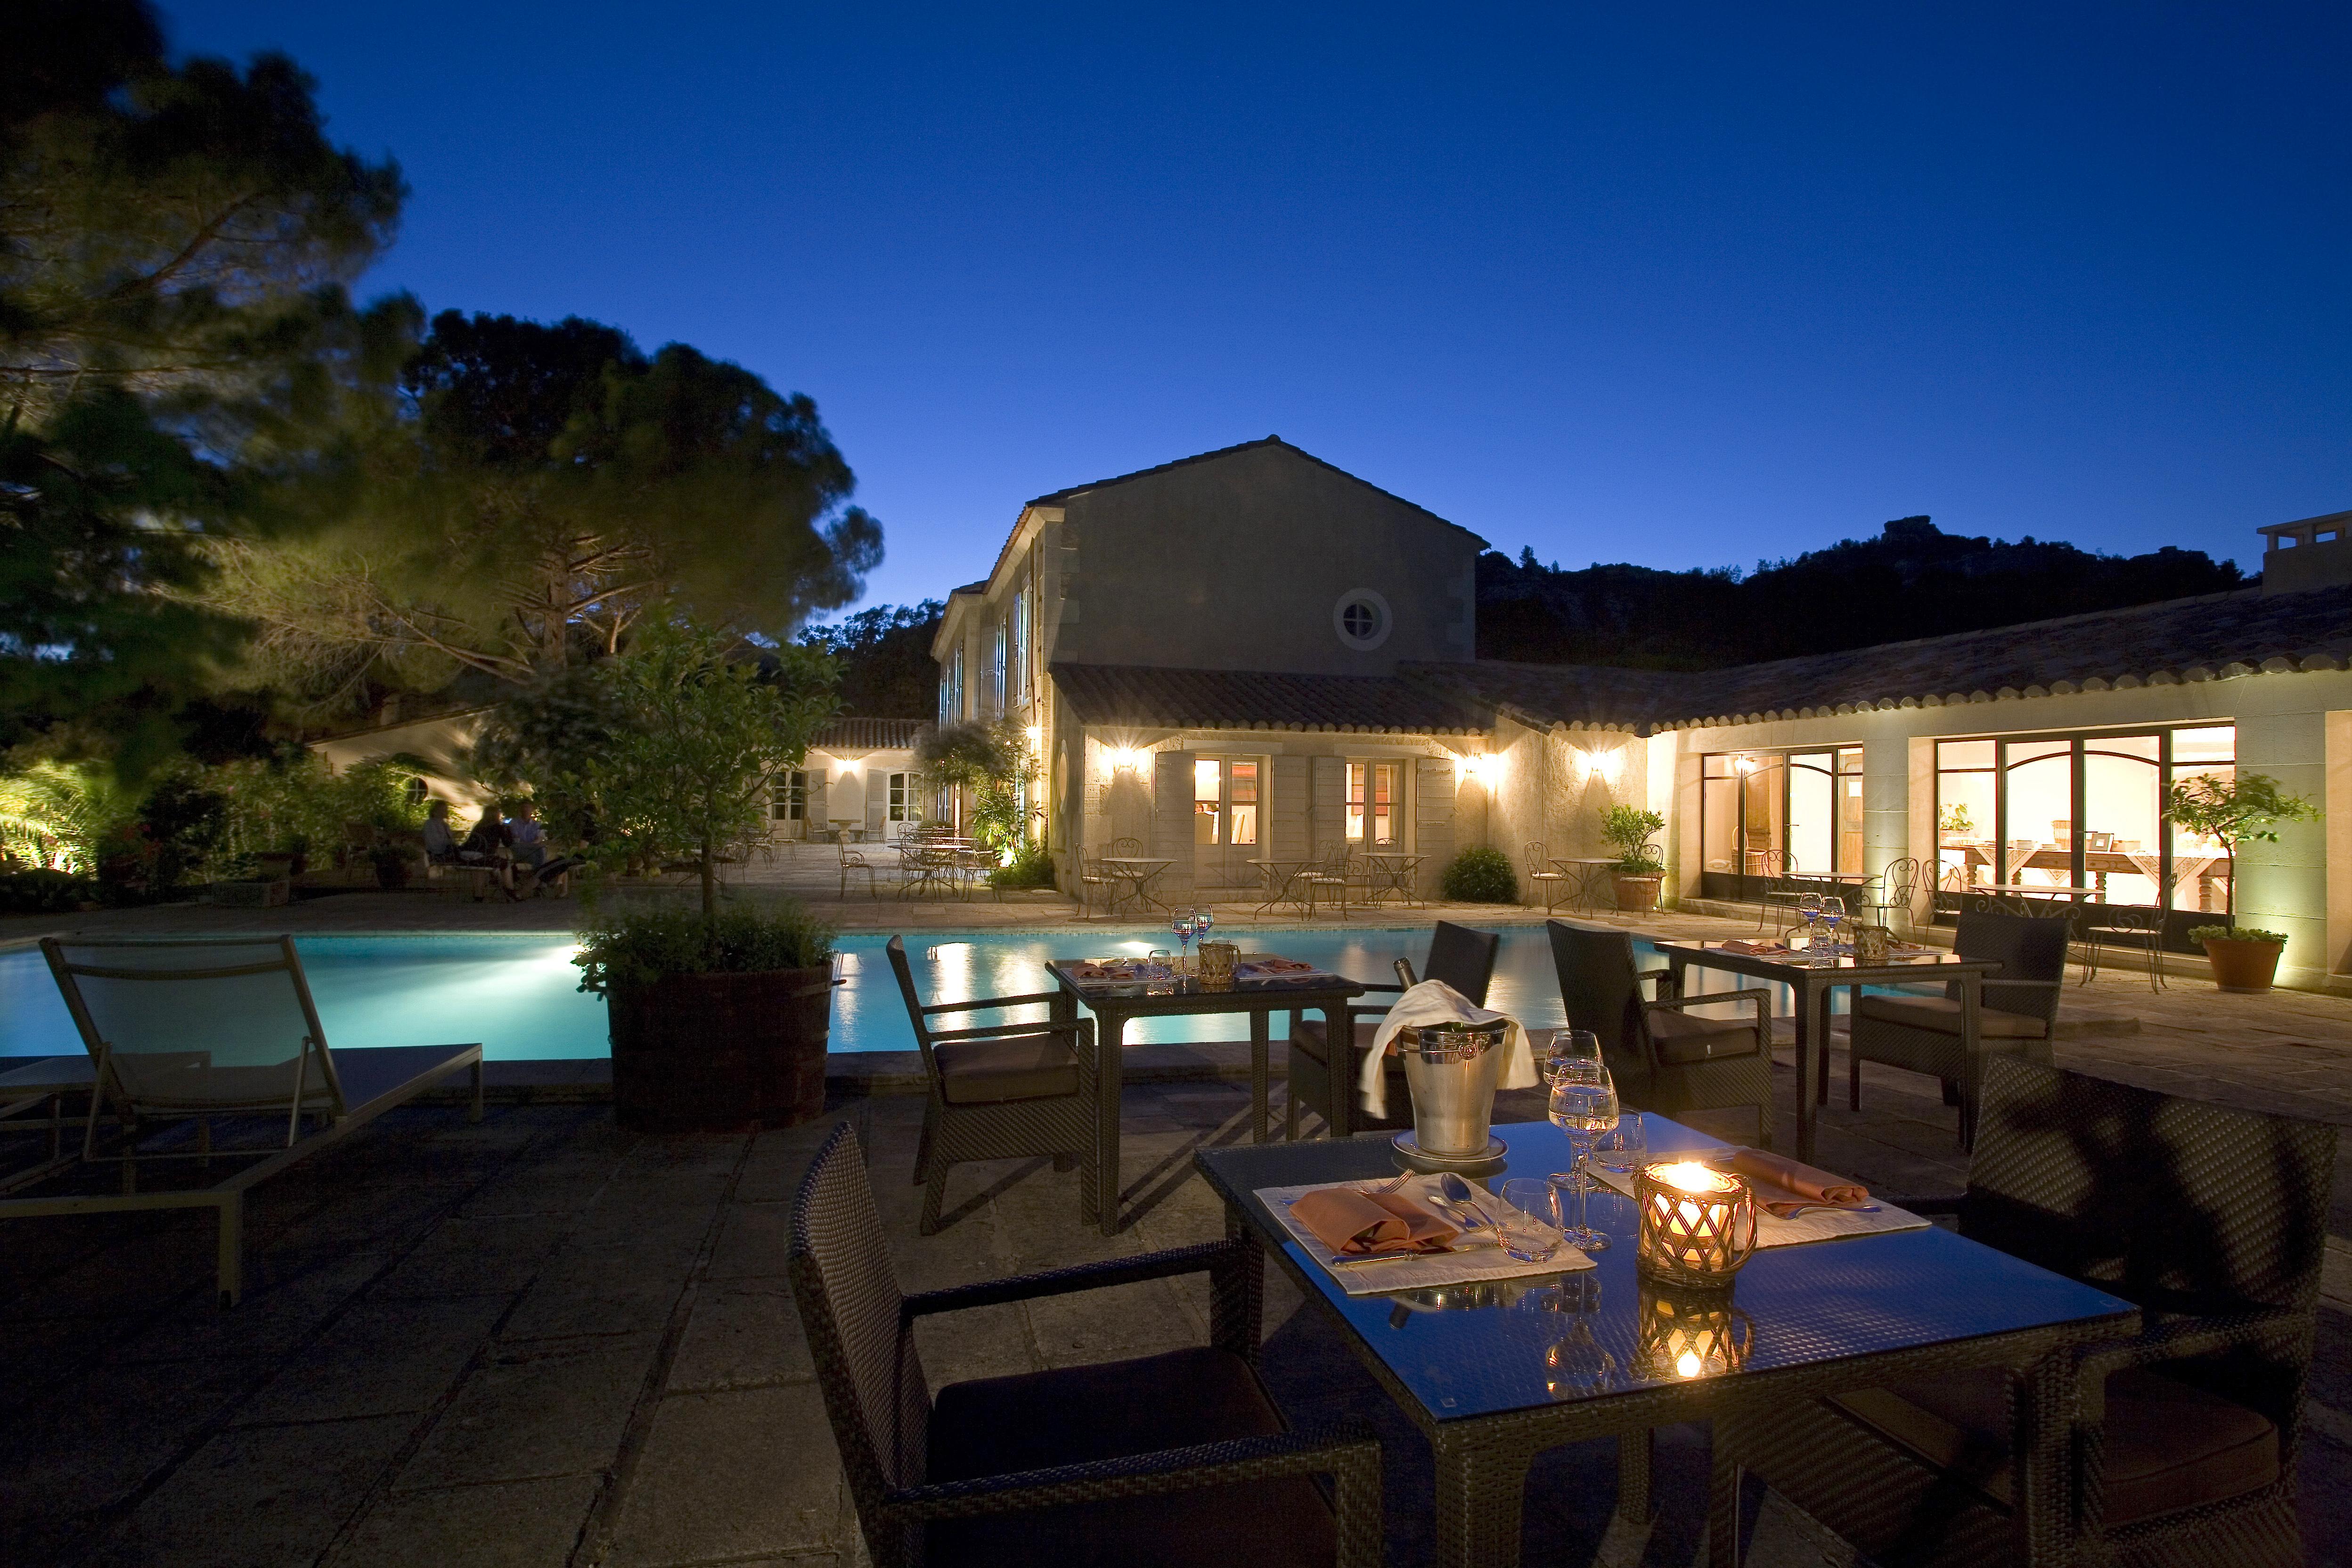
<point x="1355" y="1224"/>
<point x="1282" y="966"/>
<point x="1757" y="949"/>
<point x="1102" y="971"/>
<point x="1810" y="1186"/>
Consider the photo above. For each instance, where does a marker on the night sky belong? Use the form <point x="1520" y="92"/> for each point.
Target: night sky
<point x="1682" y="286"/>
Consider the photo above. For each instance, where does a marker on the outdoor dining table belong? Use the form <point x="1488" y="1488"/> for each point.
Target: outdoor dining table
<point x="1496" y="1373"/>
<point x="1139" y="873"/>
<point x="1394" y="872"/>
<point x="1588" y="871"/>
<point x="1813" y="980"/>
<point x="1281" y="876"/>
<point x="1114" y="1003"/>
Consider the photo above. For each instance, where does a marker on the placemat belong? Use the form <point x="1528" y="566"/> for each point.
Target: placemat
<point x="1813" y="1225"/>
<point x="1480" y="1260"/>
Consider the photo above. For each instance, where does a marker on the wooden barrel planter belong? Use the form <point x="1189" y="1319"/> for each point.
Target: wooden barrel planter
<point x="720" y="1053"/>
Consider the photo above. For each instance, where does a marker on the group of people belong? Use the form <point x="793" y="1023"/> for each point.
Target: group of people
<point x="514" y="849"/>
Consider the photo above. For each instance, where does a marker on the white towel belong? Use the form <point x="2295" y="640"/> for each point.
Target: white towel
<point x="1436" y="1002"/>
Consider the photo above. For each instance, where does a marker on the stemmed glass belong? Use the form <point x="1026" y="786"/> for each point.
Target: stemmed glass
<point x="1184" y="923"/>
<point x="1809" y="905"/>
<point x="1833" y="912"/>
<point x="1573" y="1054"/>
<point x="1203" y="920"/>
<point x="1584" y="1107"/>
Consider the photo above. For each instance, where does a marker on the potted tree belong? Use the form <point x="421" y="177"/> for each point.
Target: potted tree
<point x="2230" y="812"/>
<point x="1639" y="867"/>
<point x="719" y="1018"/>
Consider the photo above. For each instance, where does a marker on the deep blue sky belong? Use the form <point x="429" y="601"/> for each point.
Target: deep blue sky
<point x="1682" y="286"/>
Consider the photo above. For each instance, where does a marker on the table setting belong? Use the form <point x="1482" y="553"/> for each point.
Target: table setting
<point x="1409" y="1233"/>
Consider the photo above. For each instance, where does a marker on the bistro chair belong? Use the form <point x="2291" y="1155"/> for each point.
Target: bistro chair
<point x="1463" y="958"/>
<point x="1783" y="889"/>
<point x="1554" y="885"/>
<point x="1094" y="883"/>
<point x="1949" y="1036"/>
<point x="1126" y="849"/>
<point x="1663" y="1057"/>
<point x="854" y="863"/>
<point x="1329" y="879"/>
<point x="1001" y="1091"/>
<point x="2130" y="926"/>
<point x="1177" y="1458"/>
<point x="1894" y="894"/>
<point x="2213" y="1221"/>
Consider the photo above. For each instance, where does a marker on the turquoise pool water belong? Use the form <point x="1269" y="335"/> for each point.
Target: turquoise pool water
<point x="518" y="995"/>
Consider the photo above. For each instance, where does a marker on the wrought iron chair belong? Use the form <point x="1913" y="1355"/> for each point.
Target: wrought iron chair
<point x="2184" y="1439"/>
<point x="1896" y="893"/>
<point x="1662" y="1057"/>
<point x="2133" y="926"/>
<point x="1001" y="1091"/>
<point x="1331" y="879"/>
<point x="1179" y="1459"/>
<point x="1949" y="1036"/>
<point x="1092" y="883"/>
<point x="1542" y="879"/>
<point x="1463" y="958"/>
<point x="854" y="863"/>
<point x="1780" y="891"/>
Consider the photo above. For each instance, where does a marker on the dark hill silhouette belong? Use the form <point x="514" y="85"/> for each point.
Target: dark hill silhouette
<point x="1913" y="581"/>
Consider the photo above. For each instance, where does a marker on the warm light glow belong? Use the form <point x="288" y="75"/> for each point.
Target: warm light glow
<point x="1035" y="733"/>
<point x="1692" y="1177"/>
<point x="1607" y="764"/>
<point x="1123" y="757"/>
<point x="1487" y="767"/>
<point x="1688" y="1364"/>
<point x="1745" y="764"/>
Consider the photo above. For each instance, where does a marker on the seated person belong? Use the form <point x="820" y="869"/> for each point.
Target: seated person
<point x="440" y="843"/>
<point x="491" y="844"/>
<point x="533" y="849"/>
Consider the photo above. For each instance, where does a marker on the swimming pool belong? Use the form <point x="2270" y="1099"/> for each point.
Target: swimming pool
<point x="518" y="993"/>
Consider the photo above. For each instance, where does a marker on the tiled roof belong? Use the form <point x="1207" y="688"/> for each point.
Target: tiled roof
<point x="863" y="735"/>
<point x="2211" y="637"/>
<point x="1251" y="699"/>
<point x="1058" y="497"/>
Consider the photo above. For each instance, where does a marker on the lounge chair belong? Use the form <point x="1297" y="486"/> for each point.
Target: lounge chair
<point x="181" y="1031"/>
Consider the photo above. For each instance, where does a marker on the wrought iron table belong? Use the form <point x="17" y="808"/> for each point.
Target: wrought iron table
<point x="1813" y="981"/>
<point x="1139" y="873"/>
<point x="1494" y="1374"/>
<point x="1113" y="1003"/>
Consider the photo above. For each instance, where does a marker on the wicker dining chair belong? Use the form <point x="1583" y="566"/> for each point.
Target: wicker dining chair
<point x="1177" y="1458"/>
<point x="1001" y="1091"/>
<point x="1463" y="958"/>
<point x="2132" y="927"/>
<point x="1662" y="1057"/>
<point x="1950" y="1036"/>
<point x="2214" y="1221"/>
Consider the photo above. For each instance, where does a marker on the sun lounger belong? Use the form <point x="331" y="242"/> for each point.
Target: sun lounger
<point x="203" y="1030"/>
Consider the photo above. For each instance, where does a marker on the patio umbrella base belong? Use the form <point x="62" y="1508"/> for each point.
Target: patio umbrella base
<point x="1412" y="1156"/>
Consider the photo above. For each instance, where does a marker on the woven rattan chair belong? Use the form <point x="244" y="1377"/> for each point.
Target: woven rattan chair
<point x="2132" y="927"/>
<point x="1463" y="958"/>
<point x="1177" y="1458"/>
<point x="1949" y="1036"/>
<point x="1001" y="1091"/>
<point x="1662" y="1057"/>
<point x="2214" y="1221"/>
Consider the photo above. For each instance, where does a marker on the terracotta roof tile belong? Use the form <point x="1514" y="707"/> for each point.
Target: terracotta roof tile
<point x="1254" y="699"/>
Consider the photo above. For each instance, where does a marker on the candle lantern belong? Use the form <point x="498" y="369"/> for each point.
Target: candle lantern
<point x="1698" y="1223"/>
<point x="1689" y="1333"/>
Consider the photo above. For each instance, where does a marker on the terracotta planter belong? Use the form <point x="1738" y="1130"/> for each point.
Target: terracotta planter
<point x="1636" y="895"/>
<point x="720" y="1053"/>
<point x="2241" y="966"/>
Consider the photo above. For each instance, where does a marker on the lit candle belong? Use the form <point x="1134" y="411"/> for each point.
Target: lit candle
<point x="1693" y="1217"/>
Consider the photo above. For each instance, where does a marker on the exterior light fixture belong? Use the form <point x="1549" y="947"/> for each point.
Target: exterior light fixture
<point x="1125" y="758"/>
<point x="1035" y="733"/>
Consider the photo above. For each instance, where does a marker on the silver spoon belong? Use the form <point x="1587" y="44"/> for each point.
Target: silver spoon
<point x="1458" y="1191"/>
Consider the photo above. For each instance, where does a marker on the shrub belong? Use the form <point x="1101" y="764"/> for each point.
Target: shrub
<point x="45" y="892"/>
<point x="2233" y="933"/>
<point x="1031" y="867"/>
<point x="638" y="946"/>
<point x="1628" y="828"/>
<point x="1480" y="876"/>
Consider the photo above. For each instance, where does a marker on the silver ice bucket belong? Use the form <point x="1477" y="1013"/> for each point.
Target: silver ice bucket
<point x="1451" y="1070"/>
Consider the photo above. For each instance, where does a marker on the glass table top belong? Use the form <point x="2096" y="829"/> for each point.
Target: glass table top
<point x="1484" y="1349"/>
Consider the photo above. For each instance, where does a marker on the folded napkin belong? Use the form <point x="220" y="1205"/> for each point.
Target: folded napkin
<point x="1355" y="1224"/>
<point x="1281" y="966"/>
<point x="1756" y="949"/>
<point x="1436" y="1002"/>
<point x="1811" y="1186"/>
<point x="1102" y="971"/>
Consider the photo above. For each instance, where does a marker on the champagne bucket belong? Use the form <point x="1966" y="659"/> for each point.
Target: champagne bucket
<point x="1451" y="1070"/>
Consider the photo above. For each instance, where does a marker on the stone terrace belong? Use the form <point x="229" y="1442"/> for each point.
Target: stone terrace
<point x="545" y="1340"/>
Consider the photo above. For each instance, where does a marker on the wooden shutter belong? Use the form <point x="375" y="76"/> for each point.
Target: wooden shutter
<point x="1171" y="823"/>
<point x="1291" y="830"/>
<point x="1432" y="817"/>
<point x="1329" y="819"/>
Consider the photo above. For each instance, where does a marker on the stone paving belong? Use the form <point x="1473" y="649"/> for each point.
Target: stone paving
<point x="544" y="1341"/>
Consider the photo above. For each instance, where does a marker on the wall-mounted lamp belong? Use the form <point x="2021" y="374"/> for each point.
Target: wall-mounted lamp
<point x="1485" y="767"/>
<point x="1744" y="764"/>
<point x="1125" y="758"/>
<point x="1035" y="733"/>
<point x="1608" y="764"/>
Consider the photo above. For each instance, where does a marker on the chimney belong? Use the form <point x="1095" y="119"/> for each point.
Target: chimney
<point x="2315" y="553"/>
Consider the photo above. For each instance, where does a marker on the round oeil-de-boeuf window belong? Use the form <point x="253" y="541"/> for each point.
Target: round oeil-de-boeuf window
<point x="1361" y="618"/>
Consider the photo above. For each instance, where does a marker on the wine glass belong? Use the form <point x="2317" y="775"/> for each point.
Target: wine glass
<point x="1573" y="1054"/>
<point x="1184" y="923"/>
<point x="1809" y="905"/>
<point x="1833" y="912"/>
<point x="1205" y="920"/>
<point x="1584" y="1109"/>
